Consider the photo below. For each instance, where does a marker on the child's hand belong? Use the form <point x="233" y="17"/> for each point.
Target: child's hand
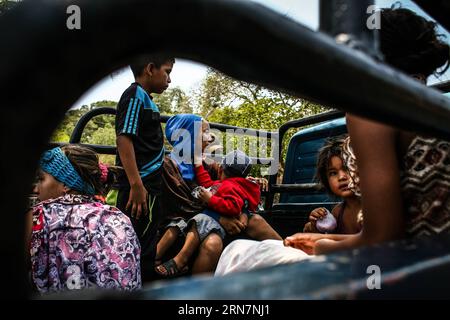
<point x="317" y="214"/>
<point x="243" y="218"/>
<point x="137" y="201"/>
<point x="231" y="225"/>
<point x="263" y="183"/>
<point x="303" y="241"/>
<point x="204" y="195"/>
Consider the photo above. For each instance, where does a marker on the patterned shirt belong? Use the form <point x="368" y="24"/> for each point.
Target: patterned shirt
<point x="425" y="184"/>
<point x="78" y="242"/>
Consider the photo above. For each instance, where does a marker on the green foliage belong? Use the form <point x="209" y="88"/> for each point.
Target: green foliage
<point x="103" y="124"/>
<point x="174" y="101"/>
<point x="254" y="107"/>
<point x="65" y="129"/>
<point x="215" y="92"/>
<point x="104" y="136"/>
<point x="107" y="159"/>
<point x="103" y="103"/>
<point x="60" y="136"/>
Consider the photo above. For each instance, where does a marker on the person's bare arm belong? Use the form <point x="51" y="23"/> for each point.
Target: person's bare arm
<point x="138" y="194"/>
<point x="308" y="241"/>
<point x="374" y="145"/>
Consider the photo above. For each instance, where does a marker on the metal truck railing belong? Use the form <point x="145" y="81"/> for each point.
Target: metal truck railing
<point x="111" y="150"/>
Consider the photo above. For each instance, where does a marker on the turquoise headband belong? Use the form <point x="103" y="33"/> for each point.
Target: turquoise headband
<point x="56" y="163"/>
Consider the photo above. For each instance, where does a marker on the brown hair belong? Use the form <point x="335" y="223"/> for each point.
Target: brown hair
<point x="86" y="163"/>
<point x="331" y="148"/>
<point x="411" y="43"/>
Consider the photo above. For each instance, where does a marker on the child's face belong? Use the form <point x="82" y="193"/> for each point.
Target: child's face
<point x="48" y="187"/>
<point x="207" y="138"/>
<point x="338" y="178"/>
<point x="159" y="77"/>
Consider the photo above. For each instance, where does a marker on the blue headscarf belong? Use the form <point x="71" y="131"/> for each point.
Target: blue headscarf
<point x="56" y="163"/>
<point x="186" y="122"/>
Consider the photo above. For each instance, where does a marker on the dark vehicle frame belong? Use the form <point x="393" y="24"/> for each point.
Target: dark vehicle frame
<point x="43" y="75"/>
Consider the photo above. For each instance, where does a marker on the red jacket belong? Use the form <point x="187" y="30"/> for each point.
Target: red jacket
<point x="231" y="194"/>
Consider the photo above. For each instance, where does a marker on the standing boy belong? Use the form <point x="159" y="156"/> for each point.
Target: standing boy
<point x="140" y="152"/>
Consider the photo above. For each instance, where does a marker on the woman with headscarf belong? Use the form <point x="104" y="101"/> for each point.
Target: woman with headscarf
<point x="190" y="135"/>
<point x="75" y="240"/>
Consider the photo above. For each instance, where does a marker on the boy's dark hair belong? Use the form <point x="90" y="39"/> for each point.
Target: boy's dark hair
<point x="86" y="163"/>
<point x="410" y="43"/>
<point x="138" y="64"/>
<point x="331" y="148"/>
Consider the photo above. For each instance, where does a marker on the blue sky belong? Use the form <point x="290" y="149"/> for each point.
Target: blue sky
<point x="188" y="75"/>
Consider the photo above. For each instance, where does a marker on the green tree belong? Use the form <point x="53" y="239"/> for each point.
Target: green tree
<point x="104" y="136"/>
<point x="217" y="91"/>
<point x="251" y="106"/>
<point x="104" y="103"/>
<point x="66" y="127"/>
<point x="174" y="101"/>
<point x="60" y="136"/>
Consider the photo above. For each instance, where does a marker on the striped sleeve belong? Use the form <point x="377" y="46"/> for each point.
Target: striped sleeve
<point x="128" y="117"/>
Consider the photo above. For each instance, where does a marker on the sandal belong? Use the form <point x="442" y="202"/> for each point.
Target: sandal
<point x="170" y="269"/>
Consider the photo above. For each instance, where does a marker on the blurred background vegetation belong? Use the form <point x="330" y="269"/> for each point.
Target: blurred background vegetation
<point x="219" y="99"/>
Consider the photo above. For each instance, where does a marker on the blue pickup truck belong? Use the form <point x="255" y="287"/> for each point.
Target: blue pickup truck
<point x="298" y="192"/>
<point x="290" y="214"/>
